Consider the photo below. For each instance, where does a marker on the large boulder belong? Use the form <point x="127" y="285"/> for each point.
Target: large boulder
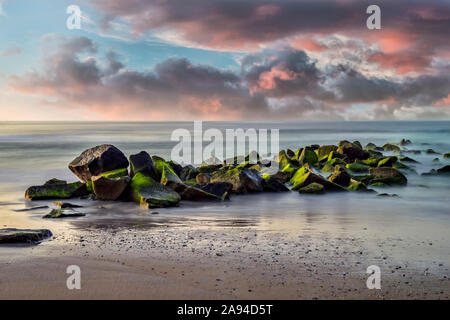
<point x="94" y="161"/>
<point x="56" y="191"/>
<point x="143" y="163"/>
<point x="150" y="193"/>
<point x="109" y="188"/>
<point x="220" y="189"/>
<point x="390" y="176"/>
<point x="243" y="180"/>
<point x="12" y="235"/>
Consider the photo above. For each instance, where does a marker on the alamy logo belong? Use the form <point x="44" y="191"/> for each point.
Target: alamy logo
<point x="374" y="280"/>
<point x="74" y="20"/>
<point x="74" y="280"/>
<point x="374" y="20"/>
<point x="190" y="149"/>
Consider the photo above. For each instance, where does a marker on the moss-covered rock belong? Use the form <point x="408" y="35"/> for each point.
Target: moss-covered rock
<point x="192" y="193"/>
<point x="358" y="186"/>
<point x="123" y="172"/>
<point x="371" y="162"/>
<point x="95" y="161"/>
<point x="387" y="162"/>
<point x="288" y="172"/>
<point x="273" y="184"/>
<point x="352" y="151"/>
<point x="357" y="167"/>
<point x="370" y="146"/>
<point x="283" y="159"/>
<point x="203" y="178"/>
<point x="379" y="185"/>
<point x="312" y="188"/>
<point x="305" y="176"/>
<point x="12" y="235"/>
<point x="209" y="168"/>
<point x="56" y="191"/>
<point x="61" y="213"/>
<point x="308" y="156"/>
<point x="150" y="193"/>
<point x="55" y="181"/>
<point x="340" y="177"/>
<point x="143" y="163"/>
<point x="446" y="155"/>
<point x="391" y="147"/>
<point x="324" y="151"/>
<point x="243" y="180"/>
<point x="401" y="166"/>
<point x="220" y="189"/>
<point x="327" y="167"/>
<point x="188" y="172"/>
<point x="358" y="144"/>
<point x="170" y="179"/>
<point x="390" y="176"/>
<point x="109" y="188"/>
<point x="431" y="151"/>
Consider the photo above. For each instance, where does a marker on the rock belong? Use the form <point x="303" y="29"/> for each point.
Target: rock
<point x="94" y="161"/>
<point x="109" y="189"/>
<point x="283" y="159"/>
<point x="188" y="172"/>
<point x="408" y="159"/>
<point x="272" y="184"/>
<point x="285" y="175"/>
<point x="405" y="142"/>
<point x="290" y="153"/>
<point x="191" y="193"/>
<point x="312" y="188"/>
<point x="371" y="162"/>
<point x="413" y="151"/>
<point x="308" y="156"/>
<point x="391" y="147"/>
<point x="150" y="193"/>
<point x="357" y="167"/>
<point x="243" y="180"/>
<point x="379" y="185"/>
<point x="11" y="235"/>
<point x="431" y="151"/>
<point x="401" y="166"/>
<point x="304" y="176"/>
<point x="203" y="178"/>
<point x="387" y="195"/>
<point x="370" y="146"/>
<point x="324" y="151"/>
<point x="352" y="151"/>
<point x="143" y="163"/>
<point x="65" y="205"/>
<point x="56" y="191"/>
<point x="220" y="189"/>
<point x="170" y="179"/>
<point x="60" y="213"/>
<point x="436" y="160"/>
<point x="340" y="177"/>
<point x="209" y="168"/>
<point x="123" y="172"/>
<point x="387" y="162"/>
<point x="55" y="181"/>
<point x="446" y="155"/>
<point x="444" y="170"/>
<point x="388" y="176"/>
<point x="327" y="167"/>
<point x="358" y="144"/>
<point x="358" y="186"/>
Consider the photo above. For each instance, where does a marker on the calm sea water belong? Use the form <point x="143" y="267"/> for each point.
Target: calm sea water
<point x="33" y="152"/>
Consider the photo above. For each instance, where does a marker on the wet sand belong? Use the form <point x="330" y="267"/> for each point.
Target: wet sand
<point x="221" y="260"/>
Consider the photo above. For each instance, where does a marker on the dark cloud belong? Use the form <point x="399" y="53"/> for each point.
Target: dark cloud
<point x="273" y="84"/>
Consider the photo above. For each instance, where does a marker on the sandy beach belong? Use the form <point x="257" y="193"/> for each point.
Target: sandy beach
<point x="220" y="259"/>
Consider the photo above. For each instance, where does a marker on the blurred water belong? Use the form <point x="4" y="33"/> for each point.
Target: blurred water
<point x="33" y="152"/>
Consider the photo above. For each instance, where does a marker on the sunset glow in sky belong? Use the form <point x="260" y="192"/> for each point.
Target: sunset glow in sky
<point x="151" y="60"/>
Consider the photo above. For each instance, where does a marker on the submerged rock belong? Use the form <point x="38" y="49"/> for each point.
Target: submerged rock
<point x="405" y="142"/>
<point x="391" y="147"/>
<point x="65" y="205"/>
<point x="94" y="161"/>
<point x="56" y="191"/>
<point x="243" y="180"/>
<point x="12" y="235"/>
<point x="388" y="176"/>
<point x="109" y="189"/>
<point x="60" y="213"/>
<point x="150" y="193"/>
<point x="431" y="151"/>
<point x="444" y="170"/>
<point x="408" y="159"/>
<point x="312" y="188"/>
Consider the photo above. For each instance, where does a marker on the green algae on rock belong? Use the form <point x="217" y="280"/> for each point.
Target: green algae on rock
<point x="243" y="180"/>
<point x="312" y="188"/>
<point x="56" y="191"/>
<point x="390" y="176"/>
<point x="61" y="213"/>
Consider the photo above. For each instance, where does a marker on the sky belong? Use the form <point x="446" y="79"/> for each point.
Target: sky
<point x="250" y="60"/>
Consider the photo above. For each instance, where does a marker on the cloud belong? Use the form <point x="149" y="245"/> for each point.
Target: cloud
<point x="11" y="51"/>
<point x="280" y="83"/>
